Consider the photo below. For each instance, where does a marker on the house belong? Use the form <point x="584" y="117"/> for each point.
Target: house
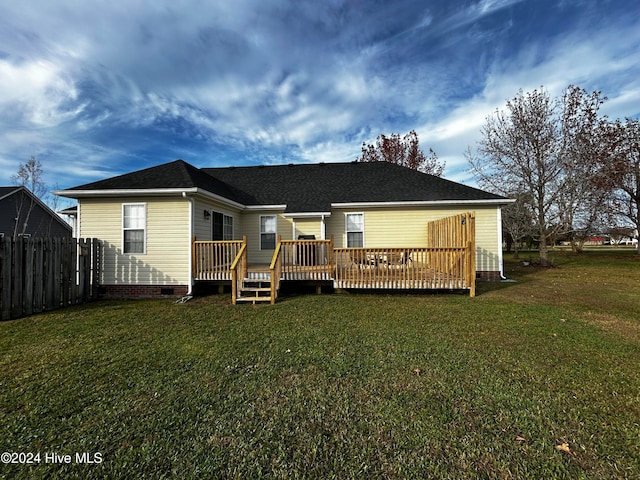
<point x="149" y="219"/>
<point x="23" y="214"/>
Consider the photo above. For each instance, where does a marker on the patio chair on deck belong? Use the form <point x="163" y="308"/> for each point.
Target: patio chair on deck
<point x="398" y="259"/>
<point x="362" y="260"/>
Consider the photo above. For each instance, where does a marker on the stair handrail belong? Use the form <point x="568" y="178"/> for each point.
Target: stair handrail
<point x="236" y="280"/>
<point x="276" y="271"/>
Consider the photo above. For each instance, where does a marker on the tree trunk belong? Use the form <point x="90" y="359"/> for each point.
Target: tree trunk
<point x="544" y="251"/>
<point x="577" y="246"/>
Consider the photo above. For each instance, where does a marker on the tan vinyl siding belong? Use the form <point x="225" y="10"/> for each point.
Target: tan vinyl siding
<point x="166" y="258"/>
<point x="406" y="227"/>
<point x="308" y="226"/>
<point x="251" y="228"/>
<point x="202" y="226"/>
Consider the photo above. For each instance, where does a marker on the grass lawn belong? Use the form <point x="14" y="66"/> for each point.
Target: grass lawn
<point x="338" y="386"/>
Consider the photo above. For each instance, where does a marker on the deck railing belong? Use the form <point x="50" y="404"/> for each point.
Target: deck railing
<point x="448" y="268"/>
<point x="307" y="259"/>
<point x="212" y="260"/>
<point x="405" y="268"/>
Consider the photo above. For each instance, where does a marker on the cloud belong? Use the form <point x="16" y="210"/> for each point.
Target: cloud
<point x="36" y="92"/>
<point x="109" y="87"/>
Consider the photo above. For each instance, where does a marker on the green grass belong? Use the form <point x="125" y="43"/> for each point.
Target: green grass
<point x="339" y="386"/>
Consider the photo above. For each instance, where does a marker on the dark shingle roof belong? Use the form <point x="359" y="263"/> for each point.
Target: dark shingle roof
<point x="314" y="187"/>
<point x="177" y="174"/>
<point x="302" y="187"/>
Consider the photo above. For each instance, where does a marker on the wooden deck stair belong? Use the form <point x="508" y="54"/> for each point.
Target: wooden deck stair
<point x="256" y="287"/>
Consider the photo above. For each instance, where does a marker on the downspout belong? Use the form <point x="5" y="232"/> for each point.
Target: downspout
<point x="500" y="259"/>
<point x="190" y="249"/>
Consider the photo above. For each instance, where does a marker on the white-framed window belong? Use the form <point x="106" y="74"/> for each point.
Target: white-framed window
<point x="268" y="232"/>
<point x="134" y="227"/>
<point x="355" y="230"/>
<point x="221" y="226"/>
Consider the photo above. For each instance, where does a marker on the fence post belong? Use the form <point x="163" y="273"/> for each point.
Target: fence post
<point x="6" y="260"/>
<point x="16" y="283"/>
<point x="93" y="268"/>
<point x="39" y="279"/>
<point x="27" y="290"/>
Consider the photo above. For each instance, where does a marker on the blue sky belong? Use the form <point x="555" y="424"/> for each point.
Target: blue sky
<point x="99" y="88"/>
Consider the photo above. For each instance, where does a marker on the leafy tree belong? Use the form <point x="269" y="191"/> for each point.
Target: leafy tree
<point x="543" y="148"/>
<point x="403" y="151"/>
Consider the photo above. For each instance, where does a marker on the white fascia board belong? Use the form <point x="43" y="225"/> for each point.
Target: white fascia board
<point x="435" y="203"/>
<point x="146" y="192"/>
<point x="307" y="215"/>
<point x="129" y="192"/>
<point x="208" y="194"/>
<point x="265" y="207"/>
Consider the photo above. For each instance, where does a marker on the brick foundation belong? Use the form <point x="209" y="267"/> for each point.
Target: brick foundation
<point x="142" y="291"/>
<point x="489" y="276"/>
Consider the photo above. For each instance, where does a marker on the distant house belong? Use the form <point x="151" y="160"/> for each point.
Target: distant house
<point x="24" y="214"/>
<point x="149" y="219"/>
<point x="71" y="213"/>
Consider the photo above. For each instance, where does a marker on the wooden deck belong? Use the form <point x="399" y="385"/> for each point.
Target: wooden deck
<point x="436" y="267"/>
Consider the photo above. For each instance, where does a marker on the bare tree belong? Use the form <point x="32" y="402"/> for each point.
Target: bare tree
<point x="403" y="151"/>
<point x="29" y="175"/>
<point x="620" y="170"/>
<point x="517" y="221"/>
<point x="542" y="148"/>
<point x="520" y="151"/>
<point x="582" y="200"/>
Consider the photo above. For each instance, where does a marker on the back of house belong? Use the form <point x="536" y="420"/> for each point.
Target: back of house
<point x="149" y="219"/>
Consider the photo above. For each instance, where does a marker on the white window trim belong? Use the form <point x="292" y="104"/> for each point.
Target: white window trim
<point x="260" y="232"/>
<point x="233" y="225"/>
<point x="144" y="247"/>
<point x="224" y="217"/>
<point x="347" y="231"/>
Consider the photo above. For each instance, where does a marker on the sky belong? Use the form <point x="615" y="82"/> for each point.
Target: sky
<point x="94" y="89"/>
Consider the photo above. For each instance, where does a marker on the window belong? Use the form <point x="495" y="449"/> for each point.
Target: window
<point x="222" y="226"/>
<point x="134" y="224"/>
<point x="355" y="230"/>
<point x="268" y="232"/>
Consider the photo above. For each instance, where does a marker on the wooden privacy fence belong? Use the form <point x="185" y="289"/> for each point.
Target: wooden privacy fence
<point x="455" y="231"/>
<point x="39" y="274"/>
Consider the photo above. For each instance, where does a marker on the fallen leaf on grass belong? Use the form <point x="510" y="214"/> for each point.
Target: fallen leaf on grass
<point x="520" y="439"/>
<point x="564" y="448"/>
<point x="416" y="371"/>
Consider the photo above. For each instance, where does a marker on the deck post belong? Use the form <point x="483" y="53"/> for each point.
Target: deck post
<point x="194" y="261"/>
<point x="472" y="269"/>
<point x="332" y="258"/>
